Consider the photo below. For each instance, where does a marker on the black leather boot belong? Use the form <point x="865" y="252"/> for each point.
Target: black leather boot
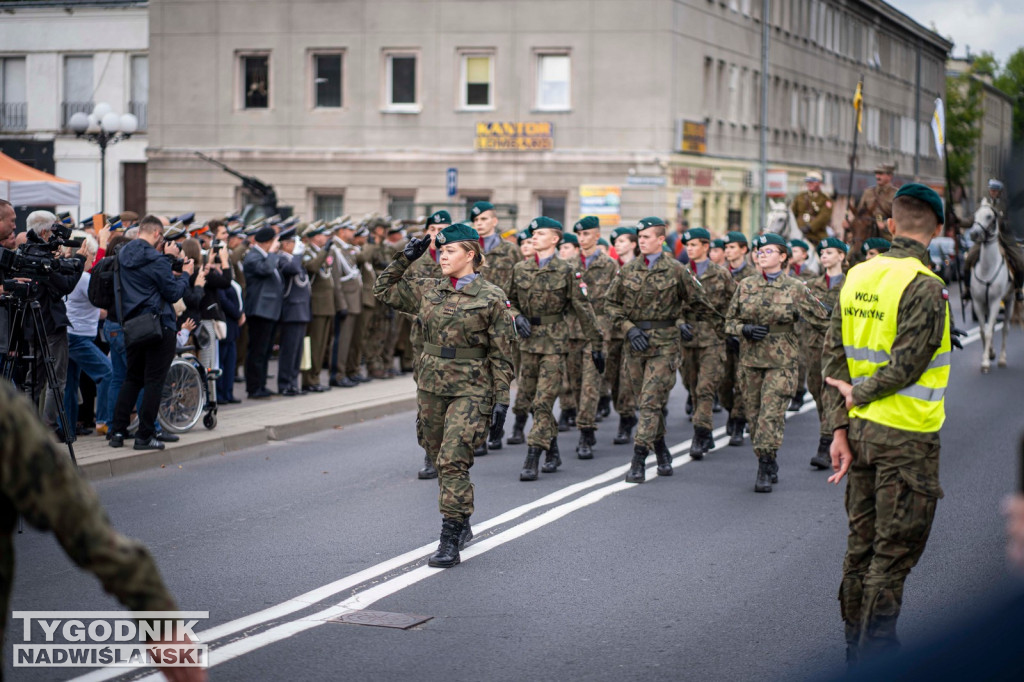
<point x="480" y="451"/>
<point x="517" y="437"/>
<point x="703" y="441"/>
<point x="716" y="406"/>
<point x="636" y="467"/>
<point x="737" y="432"/>
<point x="572" y="418"/>
<point x="529" y="472"/>
<point x="604" y="407"/>
<point x="822" y="459"/>
<point x="664" y="457"/>
<point x="495" y="443"/>
<point x="428" y="471"/>
<point x="763" y="484"/>
<point x="552" y="459"/>
<point x="689" y="406"/>
<point x="585" y="449"/>
<point x="773" y="468"/>
<point x="563" y="421"/>
<point x="625" y="434"/>
<point x="797" y="402"/>
<point x="466" y="535"/>
<point x="447" y="554"/>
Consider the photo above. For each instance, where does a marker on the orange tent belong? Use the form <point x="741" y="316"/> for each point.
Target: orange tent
<point x="25" y="186"/>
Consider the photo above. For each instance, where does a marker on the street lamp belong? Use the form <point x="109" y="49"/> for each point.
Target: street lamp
<point x="104" y="127"/>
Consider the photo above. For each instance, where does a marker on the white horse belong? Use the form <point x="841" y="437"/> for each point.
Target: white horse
<point x="782" y="222"/>
<point x="990" y="284"/>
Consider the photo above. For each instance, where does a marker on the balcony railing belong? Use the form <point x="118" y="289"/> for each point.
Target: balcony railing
<point x="139" y="109"/>
<point x="69" y="109"/>
<point x="13" y="116"/>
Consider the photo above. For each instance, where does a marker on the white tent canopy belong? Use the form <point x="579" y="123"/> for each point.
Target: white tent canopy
<point x="25" y="186"/>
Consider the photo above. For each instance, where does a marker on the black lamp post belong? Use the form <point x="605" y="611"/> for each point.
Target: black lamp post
<point x="104" y="127"/>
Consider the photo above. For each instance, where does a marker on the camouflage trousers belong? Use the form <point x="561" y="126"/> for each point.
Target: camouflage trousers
<point x="891" y="495"/>
<point x="703" y="367"/>
<point x="591" y="386"/>
<point x="767" y="391"/>
<point x="572" y="376"/>
<point x="814" y="344"/>
<point x="618" y="382"/>
<point x="540" y="376"/>
<point x="450" y="428"/>
<point x="523" y="404"/>
<point x="652" y="374"/>
<point x="375" y="345"/>
<point x="732" y="388"/>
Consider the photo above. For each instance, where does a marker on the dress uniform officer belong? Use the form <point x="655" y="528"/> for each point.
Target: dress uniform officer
<point x="544" y="291"/>
<point x="812" y="208"/>
<point x="466" y="368"/>
<point x="763" y="311"/>
<point x="348" y="301"/>
<point x="886" y="364"/>
<point x="295" y="314"/>
<point x="378" y="254"/>
<point x="624" y="240"/>
<point x="870" y="217"/>
<point x="364" y="261"/>
<point x="318" y="262"/>
<point x="730" y="393"/>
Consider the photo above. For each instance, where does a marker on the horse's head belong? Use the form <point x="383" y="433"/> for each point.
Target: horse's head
<point x="777" y="221"/>
<point x="985" y="224"/>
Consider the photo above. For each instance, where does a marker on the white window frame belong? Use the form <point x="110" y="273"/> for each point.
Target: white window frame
<point x="311" y="60"/>
<point x="387" y="106"/>
<point x="539" y="56"/>
<point x="464" y="56"/>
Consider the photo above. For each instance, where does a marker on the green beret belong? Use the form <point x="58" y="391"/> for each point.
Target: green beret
<point x="736" y="238"/>
<point x="524" y="235"/>
<point x="604" y="242"/>
<point x="923" y="193"/>
<point x="833" y="243"/>
<point x="875" y="243"/>
<point x="439" y="218"/>
<point x="479" y="207"/>
<point x="666" y="248"/>
<point x="459" y="232"/>
<point x="619" y="231"/>
<point x="587" y="222"/>
<point x="650" y="221"/>
<point x="569" y="238"/>
<point x="543" y="222"/>
<point x="696" y="233"/>
<point x="717" y="243"/>
<point x="770" y="238"/>
<point x="800" y="243"/>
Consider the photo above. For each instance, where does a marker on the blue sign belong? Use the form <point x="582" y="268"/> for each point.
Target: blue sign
<point x="453" y="181"/>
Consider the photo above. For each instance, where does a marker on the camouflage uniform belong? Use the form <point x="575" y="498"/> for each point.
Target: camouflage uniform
<point x="802" y="329"/>
<point x="42" y="486"/>
<point x="499" y="259"/>
<point x="424" y="267"/>
<point x="813" y="211"/>
<point x="704" y="355"/>
<point x="870" y="216"/>
<point x="730" y="392"/>
<point x="826" y="289"/>
<point x="378" y="330"/>
<point x="597" y="276"/>
<point x="454" y="395"/>
<point x="542" y="294"/>
<point x="318" y="262"/>
<point x="893" y="483"/>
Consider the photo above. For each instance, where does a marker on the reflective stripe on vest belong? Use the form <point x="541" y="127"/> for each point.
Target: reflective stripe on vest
<point x="870" y="302"/>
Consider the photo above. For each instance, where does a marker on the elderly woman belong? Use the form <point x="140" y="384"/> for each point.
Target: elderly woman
<point x="464" y="370"/>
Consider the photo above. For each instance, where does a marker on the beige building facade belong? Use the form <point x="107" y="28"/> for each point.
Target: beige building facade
<point x="558" y="107"/>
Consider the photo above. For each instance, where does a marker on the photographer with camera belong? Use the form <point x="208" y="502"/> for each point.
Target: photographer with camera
<point x="149" y="283"/>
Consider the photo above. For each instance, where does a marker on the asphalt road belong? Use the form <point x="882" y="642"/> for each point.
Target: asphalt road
<point x="577" y="576"/>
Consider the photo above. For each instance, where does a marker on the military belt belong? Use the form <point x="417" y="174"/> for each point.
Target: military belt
<point x="655" y="324"/>
<point x="453" y="353"/>
<point x="780" y="328"/>
<point x="546" y="319"/>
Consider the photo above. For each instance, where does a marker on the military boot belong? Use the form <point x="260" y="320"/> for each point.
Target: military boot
<point x="636" y="466"/>
<point x="480" y="451"/>
<point x="625" y="434"/>
<point x="703" y="441"/>
<point x="563" y="421"/>
<point x="737" y="432"/>
<point x="529" y="472"/>
<point x="495" y="443"/>
<point x="604" y="407"/>
<point x="763" y="484"/>
<point x="822" y="459"/>
<point x="552" y="459"/>
<point x="518" y="437"/>
<point x="447" y="554"/>
<point x="716" y="406"/>
<point x="664" y="457"/>
<point x="585" y="449"/>
<point x="689" y="405"/>
<point x="466" y="535"/>
<point x="428" y="471"/>
<point x="797" y="402"/>
<point x="773" y="468"/>
<point x="572" y="418"/>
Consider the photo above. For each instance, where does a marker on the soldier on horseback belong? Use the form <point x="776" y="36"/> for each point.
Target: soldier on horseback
<point x="1007" y="242"/>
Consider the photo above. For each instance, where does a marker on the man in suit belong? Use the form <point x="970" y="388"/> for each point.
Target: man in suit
<point x="238" y="245"/>
<point x="295" y="314"/>
<point x="263" y="295"/>
<point x="318" y="261"/>
<point x="348" y="300"/>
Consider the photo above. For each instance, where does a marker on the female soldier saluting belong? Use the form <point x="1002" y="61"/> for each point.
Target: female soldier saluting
<point x="464" y="370"/>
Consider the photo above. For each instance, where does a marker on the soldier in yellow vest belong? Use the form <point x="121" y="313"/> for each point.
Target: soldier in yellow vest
<point x="886" y="363"/>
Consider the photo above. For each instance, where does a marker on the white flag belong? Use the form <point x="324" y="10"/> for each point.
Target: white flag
<point x="939" y="127"/>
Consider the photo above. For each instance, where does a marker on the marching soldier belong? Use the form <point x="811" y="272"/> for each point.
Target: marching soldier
<point x="572" y="376"/>
<point x="500" y="256"/>
<point x="543" y="292"/>
<point x="318" y="263"/>
<point x="1012" y="250"/>
<point x="813" y="209"/>
<point x="798" y="250"/>
<point x="524" y="403"/>
<point x="717" y="252"/>
<point x="870" y="217"/>
<point x="730" y="392"/>
<point x="624" y="239"/>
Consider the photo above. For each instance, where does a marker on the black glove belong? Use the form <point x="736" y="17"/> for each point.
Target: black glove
<point x="686" y="331"/>
<point x="498" y="413"/>
<point x="755" y="332"/>
<point x="954" y="337"/>
<point x="341" y="315"/>
<point x="416" y="248"/>
<point x="598" y="358"/>
<point x="733" y="343"/>
<point x="638" y="341"/>
<point x="523" y="326"/>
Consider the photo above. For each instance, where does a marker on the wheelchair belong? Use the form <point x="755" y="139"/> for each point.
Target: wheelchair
<point x="189" y="393"/>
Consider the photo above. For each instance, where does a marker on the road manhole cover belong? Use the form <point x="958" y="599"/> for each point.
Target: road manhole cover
<point x="382" y="619"/>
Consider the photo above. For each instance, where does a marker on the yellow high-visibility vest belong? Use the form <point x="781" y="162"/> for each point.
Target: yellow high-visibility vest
<point x="870" y="301"/>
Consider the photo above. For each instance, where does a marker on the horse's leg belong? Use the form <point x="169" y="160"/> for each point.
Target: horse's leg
<point x="1006" y="327"/>
<point x="986" y="347"/>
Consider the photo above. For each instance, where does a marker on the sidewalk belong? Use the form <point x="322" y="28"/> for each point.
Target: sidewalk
<point x="253" y="422"/>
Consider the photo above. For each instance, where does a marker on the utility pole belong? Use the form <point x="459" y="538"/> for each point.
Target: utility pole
<point x="766" y="6"/>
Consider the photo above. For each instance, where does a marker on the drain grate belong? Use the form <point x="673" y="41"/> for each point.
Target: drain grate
<point x="381" y="619"/>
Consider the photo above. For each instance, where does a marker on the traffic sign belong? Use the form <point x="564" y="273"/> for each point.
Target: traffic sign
<point x="453" y="181"/>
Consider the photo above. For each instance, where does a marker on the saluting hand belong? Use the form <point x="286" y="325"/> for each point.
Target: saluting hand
<point x="416" y="248"/>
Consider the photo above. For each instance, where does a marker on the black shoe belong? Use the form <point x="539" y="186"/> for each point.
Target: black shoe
<point x="344" y="382"/>
<point x="689" y="406"/>
<point x="563" y="421"/>
<point x="466" y="535"/>
<point x="518" y="437"/>
<point x="261" y="394"/>
<point x="82" y="430"/>
<point x="703" y="441"/>
<point x="165" y="437"/>
<point x="625" y="434"/>
<point x="290" y="393"/>
<point x="773" y="469"/>
<point x="585" y="449"/>
<point x="116" y="440"/>
<point x="796" y="403"/>
<point x="572" y="418"/>
<point x="822" y="459"/>
<point x="239" y="380"/>
<point x="552" y="458"/>
<point x="636" y="466"/>
<point x="529" y="472"/>
<point x="229" y="401"/>
<point x="716" y="406"/>
<point x="664" y="457"/>
<point x="428" y="471"/>
<point x="763" y="484"/>
<point x="148" y="444"/>
<point x="737" y="432"/>
<point x="1019" y="295"/>
<point x="359" y="379"/>
<point x="447" y="554"/>
<point x="604" y="407"/>
<point x="480" y="451"/>
<point x="495" y="443"/>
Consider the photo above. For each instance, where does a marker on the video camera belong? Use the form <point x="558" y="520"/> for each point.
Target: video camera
<point x="35" y="258"/>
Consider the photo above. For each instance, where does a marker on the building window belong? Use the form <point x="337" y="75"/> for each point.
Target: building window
<point x="328" y="205"/>
<point x="477" y="78"/>
<point x="553" y="82"/>
<point x="401" y="204"/>
<point x="401" y="86"/>
<point x="77" y="86"/>
<point x="551" y="206"/>
<point x="139" y="102"/>
<point x="327" y="73"/>
<point x="255" y="81"/>
<point x="13" y="95"/>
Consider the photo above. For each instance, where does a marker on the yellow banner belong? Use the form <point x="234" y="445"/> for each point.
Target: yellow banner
<point x="514" y="136"/>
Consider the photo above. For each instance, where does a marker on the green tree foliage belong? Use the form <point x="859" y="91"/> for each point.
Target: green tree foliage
<point x="964" y="98"/>
<point x="1011" y="81"/>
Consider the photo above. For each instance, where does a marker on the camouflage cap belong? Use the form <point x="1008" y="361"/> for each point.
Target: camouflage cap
<point x="833" y="243"/>
<point x="877" y="243"/>
<point x="543" y="222"/>
<point x="459" y="232"/>
<point x="735" y="237"/>
<point x="696" y="233"/>
<point x="587" y="222"/>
